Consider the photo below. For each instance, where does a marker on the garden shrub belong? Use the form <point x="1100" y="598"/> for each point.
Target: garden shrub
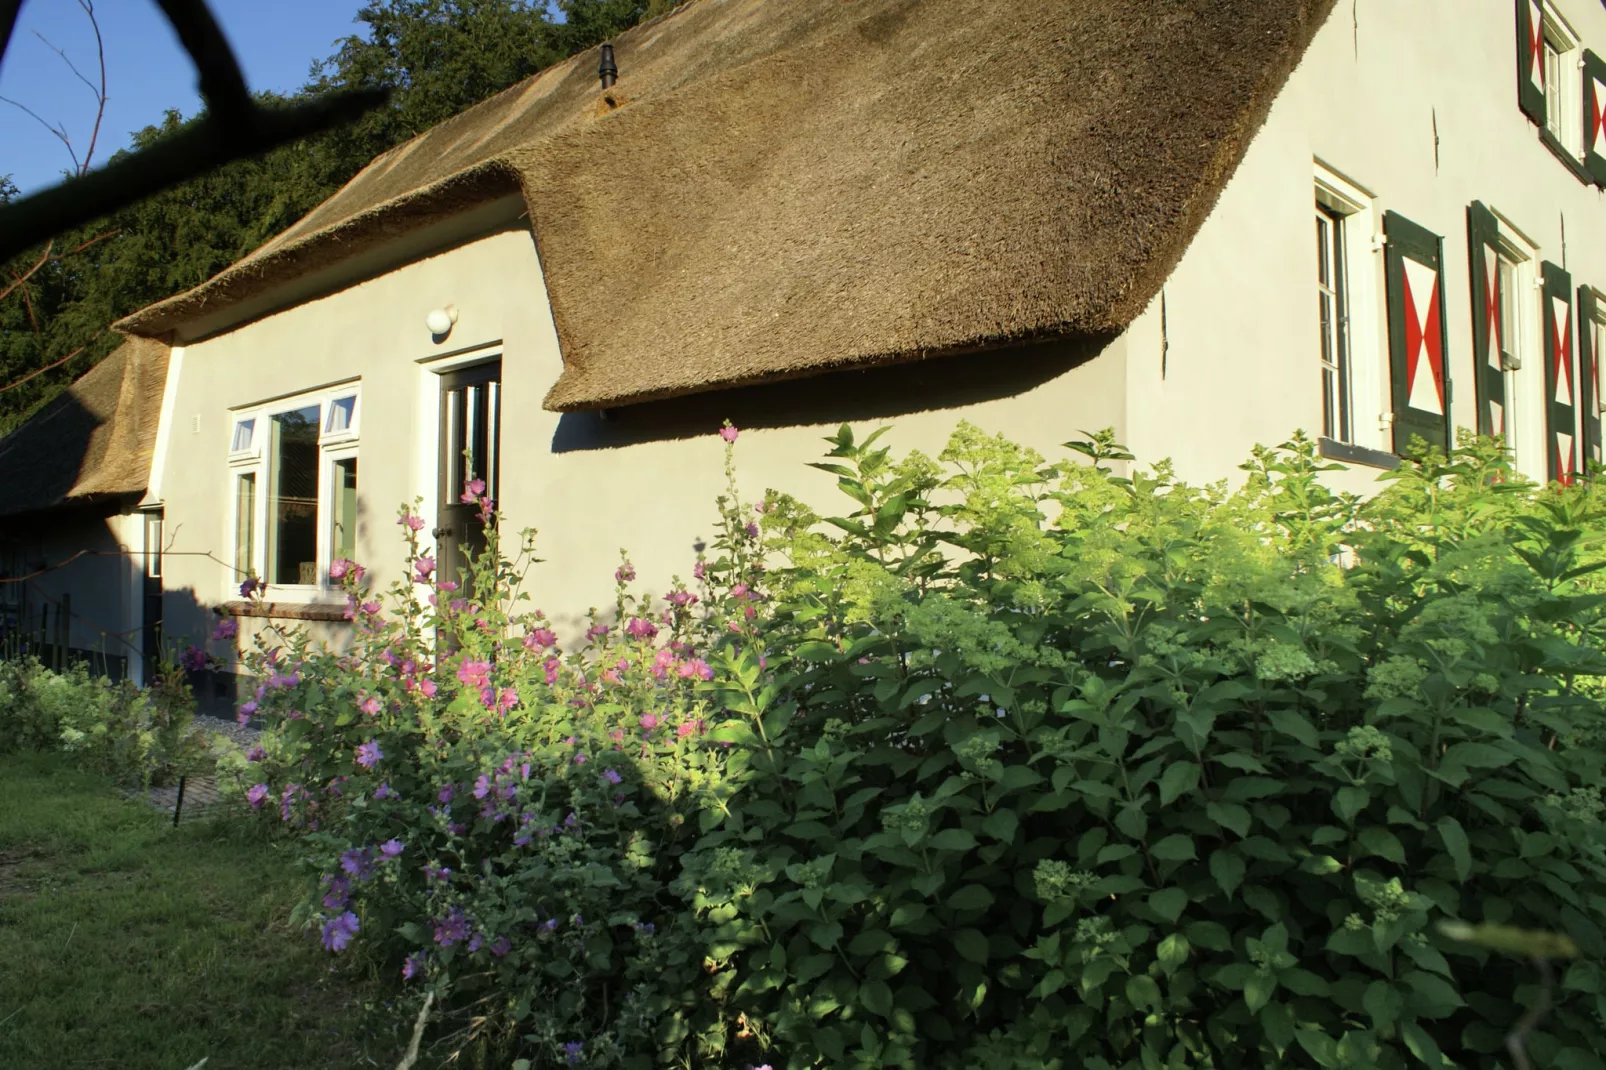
<point x="135" y="736"/>
<point x="1015" y="764"/>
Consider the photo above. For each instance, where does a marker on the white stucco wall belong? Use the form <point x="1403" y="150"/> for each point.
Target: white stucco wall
<point x="1416" y="102"/>
<point x="652" y="490"/>
<point x="95" y="564"/>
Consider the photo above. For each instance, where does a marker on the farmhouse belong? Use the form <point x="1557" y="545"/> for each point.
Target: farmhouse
<point x="1203" y="223"/>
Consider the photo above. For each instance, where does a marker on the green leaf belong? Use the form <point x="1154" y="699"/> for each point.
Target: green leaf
<point x="953" y="840"/>
<point x="1230" y="816"/>
<point x="1278" y="1022"/>
<point x="876" y="997"/>
<point x="1172" y="952"/>
<point x="1174" y="848"/>
<point x="1001" y="825"/>
<point x="971" y="945"/>
<point x="1228" y="870"/>
<point x="1293" y="724"/>
<point x="1178" y="780"/>
<point x="1258" y="989"/>
<point x="1349" y="801"/>
<point x="1319" y="1046"/>
<point x="1169" y="903"/>
<point x="1143" y="992"/>
<point x="1132" y="821"/>
<point x="1383" y="843"/>
<point x="1455" y="842"/>
<point x="971" y="897"/>
<point x="829" y="1041"/>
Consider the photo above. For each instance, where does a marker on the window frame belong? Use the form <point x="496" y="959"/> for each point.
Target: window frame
<point x="1365" y="330"/>
<point x="1597" y="328"/>
<point x="1563" y="123"/>
<point x="1524" y="395"/>
<point x="257" y="462"/>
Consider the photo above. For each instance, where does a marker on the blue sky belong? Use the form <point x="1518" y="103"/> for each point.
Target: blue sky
<point x="276" y="42"/>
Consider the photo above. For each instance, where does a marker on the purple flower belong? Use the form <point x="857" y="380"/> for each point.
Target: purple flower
<point x="572" y="1051"/>
<point x="728" y="432"/>
<point x="540" y="639"/>
<point x="337" y="932"/>
<point x="452" y="929"/>
<point x="447" y="793"/>
<point x="641" y="628"/>
<point x="501" y="946"/>
<point x="256" y="754"/>
<point x="391" y="848"/>
<point x="339" y="892"/>
<point x="751" y="529"/>
<point x="680" y="598"/>
<point x="624" y="573"/>
<point x="384" y="791"/>
<point x="611" y="777"/>
<point x="550" y="925"/>
<point x="414" y="963"/>
<point x="193" y="658"/>
<point x="251" y="586"/>
<point x="369" y="754"/>
<point x="338" y="568"/>
<point x="256" y="795"/>
<point x="423" y="568"/>
<point x="246" y="712"/>
<point x="227" y="628"/>
<point x="482" y="786"/>
<point x="357" y="862"/>
<point x="579" y="759"/>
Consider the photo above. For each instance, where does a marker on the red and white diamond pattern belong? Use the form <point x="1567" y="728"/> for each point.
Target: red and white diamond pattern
<point x="1561" y="311"/>
<point x="1491" y="303"/>
<point x="1564" y="457"/>
<point x="1424" y="356"/>
<point x="1597" y="118"/>
<point x="1536" y="44"/>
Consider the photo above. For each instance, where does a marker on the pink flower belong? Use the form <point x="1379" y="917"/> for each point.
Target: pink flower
<point x="624" y="573"/>
<point x="507" y="700"/>
<point x="579" y="759"/>
<point x="427" y="686"/>
<point x="696" y="667"/>
<point x="370" y="608"/>
<point x="472" y="490"/>
<point x="728" y="433"/>
<point x="338" y="568"/>
<point x="476" y="674"/>
<point x="551" y="670"/>
<point x="448" y="586"/>
<point x="256" y="795"/>
<point x="596" y="631"/>
<point x="540" y="639"/>
<point x="699" y="570"/>
<point x="370" y="705"/>
<point x="227" y="628"/>
<point x="411" y="520"/>
<point x="680" y="598"/>
<point x="752" y="530"/>
<point x="423" y="568"/>
<point x="649" y="721"/>
<point x="685" y="729"/>
<point x="641" y="628"/>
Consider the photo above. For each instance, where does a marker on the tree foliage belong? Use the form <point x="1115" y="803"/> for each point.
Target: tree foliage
<point x="438" y="56"/>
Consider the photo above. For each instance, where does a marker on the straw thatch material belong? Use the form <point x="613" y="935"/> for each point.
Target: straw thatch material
<point x="791" y="186"/>
<point x="92" y="444"/>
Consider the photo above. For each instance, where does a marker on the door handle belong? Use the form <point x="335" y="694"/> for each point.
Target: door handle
<point x="442" y="533"/>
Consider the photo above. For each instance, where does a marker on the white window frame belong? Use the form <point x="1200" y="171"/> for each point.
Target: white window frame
<point x="1597" y="338"/>
<point x="1565" y="121"/>
<point x="1367" y="337"/>
<point x="334" y="447"/>
<point x="1525" y="384"/>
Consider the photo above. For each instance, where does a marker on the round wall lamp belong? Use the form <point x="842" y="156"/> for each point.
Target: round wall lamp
<point x="440" y="321"/>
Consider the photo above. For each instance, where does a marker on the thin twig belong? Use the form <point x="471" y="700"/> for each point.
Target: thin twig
<point x="1516" y="1040"/>
<point x="54" y="364"/>
<point x="10" y="1016"/>
<point x="57" y="130"/>
<point x="71" y="933"/>
<point x="418" y="1035"/>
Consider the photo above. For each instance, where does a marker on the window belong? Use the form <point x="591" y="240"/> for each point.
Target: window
<point x="153" y="545"/>
<point x="1597" y="339"/>
<point x="1563" y="85"/>
<point x="293" y="473"/>
<point x="1350" y="342"/>
<point x="1519" y="341"/>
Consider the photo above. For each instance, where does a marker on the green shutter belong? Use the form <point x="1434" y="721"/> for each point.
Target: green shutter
<point x="1418" y="345"/>
<point x="1561" y="386"/>
<point x="1593" y="449"/>
<point x="1595" y="116"/>
<point x="1531" y="60"/>
<point x="1489" y="382"/>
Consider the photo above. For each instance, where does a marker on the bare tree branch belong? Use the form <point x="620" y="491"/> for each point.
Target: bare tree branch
<point x="58" y="130"/>
<point x="56" y="364"/>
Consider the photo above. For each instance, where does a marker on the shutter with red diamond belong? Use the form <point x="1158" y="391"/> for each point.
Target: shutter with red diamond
<point x="1489" y="381"/>
<point x="1531" y="59"/>
<point x="1592" y="448"/>
<point x="1561" y="386"/>
<point x="1417" y="340"/>
<point x="1595" y="116"/>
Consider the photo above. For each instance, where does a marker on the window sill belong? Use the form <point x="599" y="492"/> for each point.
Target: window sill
<point x="1335" y="450"/>
<point x="287" y="610"/>
<point x="1562" y="153"/>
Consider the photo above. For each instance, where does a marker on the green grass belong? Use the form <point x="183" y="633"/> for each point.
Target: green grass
<point x="127" y="943"/>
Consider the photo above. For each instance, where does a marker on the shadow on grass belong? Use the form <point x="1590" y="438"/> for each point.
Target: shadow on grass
<point x="132" y="944"/>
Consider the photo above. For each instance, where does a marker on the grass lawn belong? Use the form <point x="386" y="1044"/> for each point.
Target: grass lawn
<point x="127" y="943"/>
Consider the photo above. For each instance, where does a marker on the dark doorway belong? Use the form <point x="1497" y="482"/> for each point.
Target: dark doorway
<point x="471" y="423"/>
<point x="151" y="596"/>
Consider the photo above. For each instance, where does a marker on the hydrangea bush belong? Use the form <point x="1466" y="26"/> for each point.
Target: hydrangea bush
<point x="1014" y="764"/>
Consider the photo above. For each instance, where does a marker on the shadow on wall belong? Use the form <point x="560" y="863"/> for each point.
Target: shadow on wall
<point x="929" y="385"/>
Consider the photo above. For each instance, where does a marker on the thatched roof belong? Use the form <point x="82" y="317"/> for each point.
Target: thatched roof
<point x="92" y="444"/>
<point x="784" y="187"/>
